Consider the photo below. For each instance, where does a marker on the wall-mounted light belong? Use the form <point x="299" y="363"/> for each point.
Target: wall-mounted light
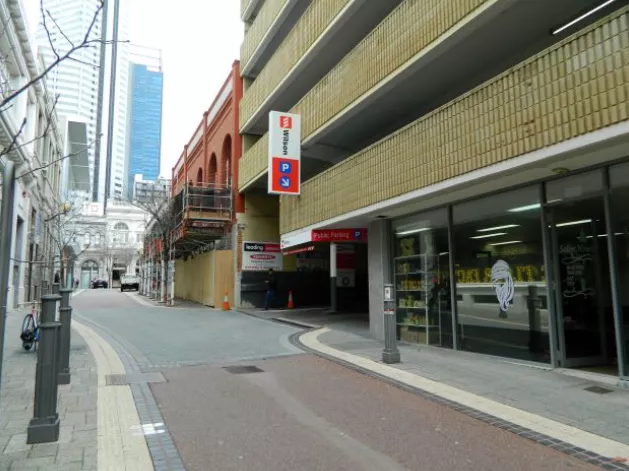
<point x="582" y="17"/>
<point x="486" y="236"/>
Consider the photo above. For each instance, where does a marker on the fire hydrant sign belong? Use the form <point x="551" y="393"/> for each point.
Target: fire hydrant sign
<point x="260" y="256"/>
<point x="284" y="174"/>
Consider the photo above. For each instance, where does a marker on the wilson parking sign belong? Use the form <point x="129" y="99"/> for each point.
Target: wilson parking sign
<point x="284" y="173"/>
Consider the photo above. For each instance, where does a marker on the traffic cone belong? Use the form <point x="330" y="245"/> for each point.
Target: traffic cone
<point x="226" y="302"/>
<point x="290" y="300"/>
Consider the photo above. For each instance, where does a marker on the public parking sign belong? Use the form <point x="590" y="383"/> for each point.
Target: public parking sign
<point x="284" y="173"/>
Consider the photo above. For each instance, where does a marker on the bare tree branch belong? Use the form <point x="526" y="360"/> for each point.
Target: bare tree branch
<point x="52" y="162"/>
<point x="11" y="146"/>
<point x="85" y="43"/>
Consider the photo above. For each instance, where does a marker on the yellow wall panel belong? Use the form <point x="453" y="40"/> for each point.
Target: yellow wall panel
<point x="313" y="22"/>
<point x="263" y="21"/>
<point x="559" y="94"/>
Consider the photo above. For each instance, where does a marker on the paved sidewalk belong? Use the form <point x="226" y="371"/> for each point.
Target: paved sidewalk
<point x="77" y="445"/>
<point x="530" y="388"/>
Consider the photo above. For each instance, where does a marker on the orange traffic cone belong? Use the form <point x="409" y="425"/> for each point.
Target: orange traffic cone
<point x="290" y="300"/>
<point x="226" y="302"/>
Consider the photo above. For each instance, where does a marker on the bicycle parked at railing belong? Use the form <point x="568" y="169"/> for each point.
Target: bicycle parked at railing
<point x="30" y="328"/>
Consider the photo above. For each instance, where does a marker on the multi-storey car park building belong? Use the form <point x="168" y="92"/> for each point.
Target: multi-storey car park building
<point x="477" y="149"/>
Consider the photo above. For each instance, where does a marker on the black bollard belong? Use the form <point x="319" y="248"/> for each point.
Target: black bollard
<point x="44" y="426"/>
<point x="65" y="317"/>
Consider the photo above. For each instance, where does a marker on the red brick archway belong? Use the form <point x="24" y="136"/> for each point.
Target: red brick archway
<point x="212" y="170"/>
<point x="227" y="160"/>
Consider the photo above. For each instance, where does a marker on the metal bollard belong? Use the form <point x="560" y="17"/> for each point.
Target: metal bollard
<point x="65" y="317"/>
<point x="390" y="354"/>
<point x="44" y="426"/>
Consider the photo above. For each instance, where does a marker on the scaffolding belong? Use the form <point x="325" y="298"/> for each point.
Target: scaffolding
<point x="203" y="214"/>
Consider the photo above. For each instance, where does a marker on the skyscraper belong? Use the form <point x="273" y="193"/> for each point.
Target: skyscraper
<point x="76" y="82"/>
<point x="145" y="116"/>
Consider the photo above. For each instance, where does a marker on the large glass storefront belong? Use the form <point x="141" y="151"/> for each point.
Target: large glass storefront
<point x="540" y="273"/>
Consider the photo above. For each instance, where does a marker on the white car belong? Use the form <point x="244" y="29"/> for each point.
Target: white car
<point x="129" y="282"/>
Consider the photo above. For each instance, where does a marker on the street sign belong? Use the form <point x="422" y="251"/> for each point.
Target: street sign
<point x="284" y="169"/>
<point x="339" y="235"/>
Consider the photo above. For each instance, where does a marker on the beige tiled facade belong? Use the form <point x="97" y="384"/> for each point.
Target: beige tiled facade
<point x="408" y="31"/>
<point x="303" y="35"/>
<point x="264" y="19"/>
<point x="577" y="86"/>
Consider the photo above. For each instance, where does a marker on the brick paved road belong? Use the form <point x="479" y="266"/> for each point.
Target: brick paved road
<point x="300" y="412"/>
<point x="76" y="448"/>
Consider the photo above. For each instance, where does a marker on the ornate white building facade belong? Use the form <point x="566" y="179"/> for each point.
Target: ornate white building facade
<point x="110" y="245"/>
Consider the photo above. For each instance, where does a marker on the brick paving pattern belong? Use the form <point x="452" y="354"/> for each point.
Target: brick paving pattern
<point x="76" y="449"/>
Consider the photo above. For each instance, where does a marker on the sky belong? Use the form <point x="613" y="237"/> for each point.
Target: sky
<point x="199" y="39"/>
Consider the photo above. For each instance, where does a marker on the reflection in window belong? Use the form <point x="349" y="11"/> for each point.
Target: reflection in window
<point x="500" y="281"/>
<point x="422" y="282"/>
<point x="619" y="179"/>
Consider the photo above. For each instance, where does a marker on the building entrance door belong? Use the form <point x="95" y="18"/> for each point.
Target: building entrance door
<point x="582" y="294"/>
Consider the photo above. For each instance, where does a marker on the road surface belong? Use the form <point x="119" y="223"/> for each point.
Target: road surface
<point x="287" y="410"/>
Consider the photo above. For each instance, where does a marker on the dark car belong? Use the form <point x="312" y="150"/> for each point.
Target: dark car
<point x="99" y="284"/>
<point x="129" y="282"/>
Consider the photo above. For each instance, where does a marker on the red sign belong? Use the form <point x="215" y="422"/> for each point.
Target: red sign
<point x="301" y="250"/>
<point x="286" y="122"/>
<point x="339" y="235"/>
<point x="285" y="175"/>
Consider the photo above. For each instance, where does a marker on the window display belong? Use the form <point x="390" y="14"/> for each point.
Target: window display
<point x="423" y="302"/>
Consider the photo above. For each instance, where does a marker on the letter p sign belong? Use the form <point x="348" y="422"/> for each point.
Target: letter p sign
<point x="285" y="167"/>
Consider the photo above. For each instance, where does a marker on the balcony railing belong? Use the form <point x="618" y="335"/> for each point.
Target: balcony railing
<point x="310" y="26"/>
<point x="578" y="86"/>
<point x="265" y="18"/>
<point x="202" y="211"/>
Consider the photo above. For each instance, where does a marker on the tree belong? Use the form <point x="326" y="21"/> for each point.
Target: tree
<point x="64" y="228"/>
<point x="10" y="93"/>
<point x="156" y="201"/>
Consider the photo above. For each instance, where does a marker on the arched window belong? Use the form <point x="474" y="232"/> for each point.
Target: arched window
<point x="200" y="177"/>
<point x="121" y="233"/>
<point x="212" y="170"/>
<point x="227" y="159"/>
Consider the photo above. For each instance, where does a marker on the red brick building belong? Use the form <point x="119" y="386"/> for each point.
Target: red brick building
<point x="206" y="200"/>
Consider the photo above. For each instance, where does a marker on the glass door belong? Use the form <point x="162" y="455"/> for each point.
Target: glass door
<point x="581" y="272"/>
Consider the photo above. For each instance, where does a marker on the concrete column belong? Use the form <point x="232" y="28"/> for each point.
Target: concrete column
<point x="379" y="266"/>
<point x="333" y="290"/>
<point x="44" y="426"/>
<point x="6" y="238"/>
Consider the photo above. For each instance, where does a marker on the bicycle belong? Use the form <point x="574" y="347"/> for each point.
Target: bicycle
<point x="30" y="329"/>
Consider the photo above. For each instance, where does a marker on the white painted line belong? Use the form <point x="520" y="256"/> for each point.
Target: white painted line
<point x="572" y="435"/>
<point x="119" y="448"/>
<point x="77" y="292"/>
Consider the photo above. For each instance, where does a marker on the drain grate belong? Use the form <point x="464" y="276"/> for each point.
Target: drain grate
<point x="241" y="370"/>
<point x="598" y="390"/>
<point x="134" y="378"/>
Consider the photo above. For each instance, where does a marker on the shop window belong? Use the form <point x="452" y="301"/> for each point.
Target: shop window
<point x="500" y="277"/>
<point x="576" y="186"/>
<point x="619" y="180"/>
<point x="422" y="281"/>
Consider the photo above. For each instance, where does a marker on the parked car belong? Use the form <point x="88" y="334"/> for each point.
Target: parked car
<point x="129" y="282"/>
<point x="98" y="283"/>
